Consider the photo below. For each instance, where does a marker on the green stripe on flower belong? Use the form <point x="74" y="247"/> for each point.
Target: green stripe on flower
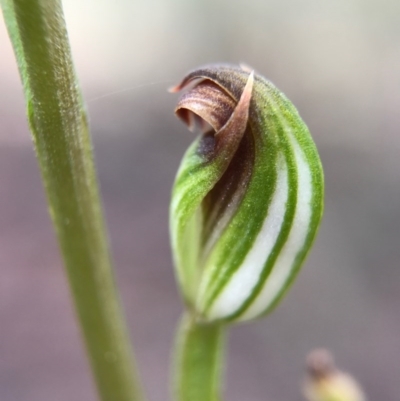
<point x="248" y="197"/>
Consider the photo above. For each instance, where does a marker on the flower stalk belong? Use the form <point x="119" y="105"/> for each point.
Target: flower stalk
<point x="61" y="137"/>
<point x="198" y="364"/>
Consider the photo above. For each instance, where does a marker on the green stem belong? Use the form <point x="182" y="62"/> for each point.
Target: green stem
<point x="198" y="360"/>
<point x="60" y="133"/>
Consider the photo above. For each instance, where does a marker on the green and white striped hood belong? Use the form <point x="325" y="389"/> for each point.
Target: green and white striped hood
<point x="248" y="196"/>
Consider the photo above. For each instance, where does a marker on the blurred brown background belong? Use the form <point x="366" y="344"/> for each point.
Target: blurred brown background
<point x="339" y="62"/>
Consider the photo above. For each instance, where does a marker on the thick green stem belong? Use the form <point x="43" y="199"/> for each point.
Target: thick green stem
<point x="62" y="142"/>
<point x="198" y="355"/>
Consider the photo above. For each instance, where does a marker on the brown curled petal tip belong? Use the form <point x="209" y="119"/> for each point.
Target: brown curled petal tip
<point x="245" y="98"/>
<point x="193" y="76"/>
<point x="209" y="107"/>
<point x="184" y="82"/>
<point x="207" y="101"/>
<point x="237" y="123"/>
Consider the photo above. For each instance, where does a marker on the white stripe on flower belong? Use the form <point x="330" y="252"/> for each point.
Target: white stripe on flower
<point x="284" y="264"/>
<point x="243" y="281"/>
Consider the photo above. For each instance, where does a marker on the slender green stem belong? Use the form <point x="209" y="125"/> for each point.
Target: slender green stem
<point x="199" y="350"/>
<point x="62" y="142"/>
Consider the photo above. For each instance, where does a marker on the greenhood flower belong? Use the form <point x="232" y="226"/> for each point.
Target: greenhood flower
<point x="248" y="196"/>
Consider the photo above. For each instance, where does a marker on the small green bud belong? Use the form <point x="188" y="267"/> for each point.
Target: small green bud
<point x="248" y="196"/>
